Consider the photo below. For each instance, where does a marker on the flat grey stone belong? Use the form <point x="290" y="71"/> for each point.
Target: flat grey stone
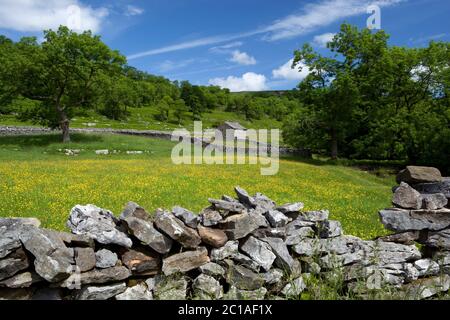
<point x="185" y="261"/>
<point x="259" y="251"/>
<point x="101" y="292"/>
<point x="105" y="259"/>
<point x="177" y="230"/>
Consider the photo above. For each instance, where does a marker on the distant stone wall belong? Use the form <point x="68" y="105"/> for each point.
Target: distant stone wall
<point x="167" y="135"/>
<point x="246" y="247"/>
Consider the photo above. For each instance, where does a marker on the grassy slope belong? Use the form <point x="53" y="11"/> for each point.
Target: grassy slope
<point x="38" y="180"/>
<point x="143" y="119"/>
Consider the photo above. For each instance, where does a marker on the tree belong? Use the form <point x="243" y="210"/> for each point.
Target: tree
<point x="63" y="73"/>
<point x="180" y="110"/>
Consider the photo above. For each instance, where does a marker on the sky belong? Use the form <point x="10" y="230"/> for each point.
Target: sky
<point x="243" y="45"/>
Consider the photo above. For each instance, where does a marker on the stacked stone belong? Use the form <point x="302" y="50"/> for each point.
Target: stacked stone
<point x="246" y="247"/>
<point x="421" y="215"/>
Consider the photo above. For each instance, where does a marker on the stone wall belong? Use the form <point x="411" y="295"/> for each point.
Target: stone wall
<point x="246" y="247"/>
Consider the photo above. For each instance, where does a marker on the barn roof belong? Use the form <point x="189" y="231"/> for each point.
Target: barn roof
<point x="235" y="125"/>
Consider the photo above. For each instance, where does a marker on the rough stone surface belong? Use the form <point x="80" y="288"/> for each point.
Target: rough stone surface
<point x="408" y="237"/>
<point x="276" y="218"/>
<point x="21" y="280"/>
<point x="330" y="229"/>
<point x="138" y="292"/>
<point x="407" y="198"/>
<point x="227" y="206"/>
<point x="132" y="209"/>
<point x="439" y="239"/>
<point x="230" y="248"/>
<point x="416" y="174"/>
<point x="427" y="267"/>
<point x="177" y="230"/>
<point x="427" y="288"/>
<point x="273" y="276"/>
<point x="101" y="292"/>
<point x="13" y="263"/>
<point x="243" y="278"/>
<point x="264" y="202"/>
<point x="283" y="259"/>
<point x="435" y="187"/>
<point x="186" y="216"/>
<point x="105" y="259"/>
<point x="53" y="260"/>
<point x="314" y="216"/>
<point x="210" y="217"/>
<point x="434" y="201"/>
<point x="142" y="261"/>
<point x="291" y="207"/>
<point x="244" y="197"/>
<point x="214" y="237"/>
<point x="170" y="288"/>
<point x="409" y="220"/>
<point x="185" y="261"/>
<point x="98" y="276"/>
<point x="213" y="269"/>
<point x="207" y="288"/>
<point x="246" y="261"/>
<point x="98" y="224"/>
<point x="259" y="251"/>
<point x="239" y="294"/>
<point x="239" y="226"/>
<point x="146" y="233"/>
<point x="294" y="288"/>
<point x="85" y="258"/>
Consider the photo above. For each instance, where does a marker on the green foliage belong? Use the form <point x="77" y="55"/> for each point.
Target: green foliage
<point x="373" y="101"/>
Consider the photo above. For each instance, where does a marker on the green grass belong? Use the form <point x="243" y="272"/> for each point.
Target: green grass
<point x="36" y="179"/>
<point x="144" y="119"/>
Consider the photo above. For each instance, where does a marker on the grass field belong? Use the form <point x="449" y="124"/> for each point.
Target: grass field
<point x="144" y="119"/>
<point x="36" y="179"/>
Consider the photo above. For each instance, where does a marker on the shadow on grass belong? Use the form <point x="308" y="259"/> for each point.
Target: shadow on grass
<point x="46" y="139"/>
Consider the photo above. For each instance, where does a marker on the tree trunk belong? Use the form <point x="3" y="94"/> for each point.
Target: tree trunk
<point x="64" y="124"/>
<point x="334" y="144"/>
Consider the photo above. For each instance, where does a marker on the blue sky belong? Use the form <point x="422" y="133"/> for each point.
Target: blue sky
<point x="239" y="44"/>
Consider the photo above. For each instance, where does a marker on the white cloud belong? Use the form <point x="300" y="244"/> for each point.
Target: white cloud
<point x="286" y="72"/>
<point x="133" y="11"/>
<point x="322" y="39"/>
<point x="249" y="81"/>
<point x="227" y="46"/>
<point x="242" y="58"/>
<point x="316" y="15"/>
<point x="312" y="17"/>
<point x="36" y="15"/>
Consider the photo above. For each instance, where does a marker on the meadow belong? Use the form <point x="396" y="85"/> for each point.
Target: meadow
<point x="38" y="180"/>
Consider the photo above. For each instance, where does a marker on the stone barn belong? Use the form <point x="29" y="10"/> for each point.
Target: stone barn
<point x="239" y="130"/>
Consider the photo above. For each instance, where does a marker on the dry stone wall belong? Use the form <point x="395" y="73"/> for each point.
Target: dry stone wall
<point x="243" y="247"/>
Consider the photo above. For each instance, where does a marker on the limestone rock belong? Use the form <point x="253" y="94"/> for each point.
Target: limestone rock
<point x="244" y="197"/>
<point x="238" y="226"/>
<point x="408" y="237"/>
<point x="239" y="294"/>
<point x="132" y="209"/>
<point x="306" y="247"/>
<point x="230" y="248"/>
<point x="243" y="278"/>
<point x="406" y="197"/>
<point x="294" y="288"/>
<point x="214" y="237"/>
<point x="435" y="187"/>
<point x="314" y="216"/>
<point x="147" y="234"/>
<point x="186" y="216"/>
<point x="207" y="288"/>
<point x="299" y="235"/>
<point x="259" y="251"/>
<point x="434" y="201"/>
<point x="177" y="230"/>
<point x="427" y="267"/>
<point x="245" y="261"/>
<point x="105" y="259"/>
<point x="210" y="217"/>
<point x="101" y="292"/>
<point x="53" y="259"/>
<point x="170" y="288"/>
<point x="138" y="292"/>
<point x="276" y="218"/>
<point x="97" y="276"/>
<point x="98" y="224"/>
<point x="13" y="263"/>
<point x="439" y="239"/>
<point x="142" y="261"/>
<point x="227" y="206"/>
<point x="273" y="276"/>
<point x="185" y="261"/>
<point x="330" y="229"/>
<point x="269" y="232"/>
<point x="21" y="280"/>
<point x="283" y="259"/>
<point x="264" y="202"/>
<point x="85" y="258"/>
<point x="427" y="288"/>
<point x="76" y="240"/>
<point x="409" y="220"/>
<point x="416" y="174"/>
<point x="10" y="230"/>
<point x="212" y="269"/>
<point x="291" y="207"/>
